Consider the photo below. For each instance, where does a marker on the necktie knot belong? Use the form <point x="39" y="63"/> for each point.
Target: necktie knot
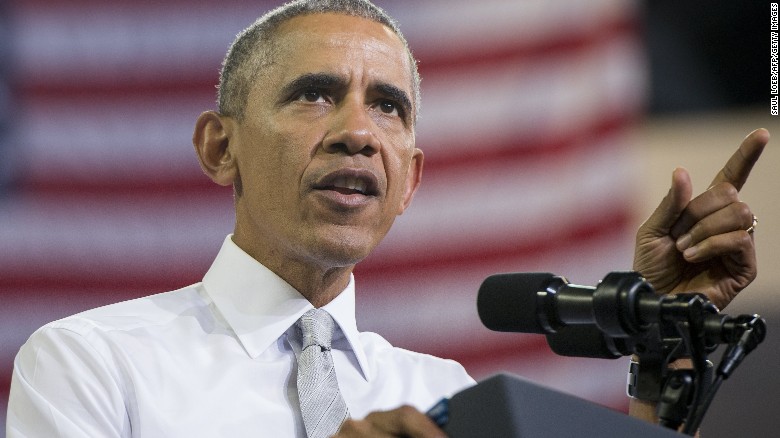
<point x="316" y="327"/>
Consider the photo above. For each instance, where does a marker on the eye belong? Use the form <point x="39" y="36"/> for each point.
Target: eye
<point x="310" y="96"/>
<point x="388" y="107"/>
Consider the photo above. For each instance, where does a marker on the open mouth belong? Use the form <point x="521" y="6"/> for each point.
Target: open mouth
<point x="349" y="182"/>
<point x="349" y="186"/>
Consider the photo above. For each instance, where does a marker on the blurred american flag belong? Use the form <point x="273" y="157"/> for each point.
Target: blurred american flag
<point x="526" y="106"/>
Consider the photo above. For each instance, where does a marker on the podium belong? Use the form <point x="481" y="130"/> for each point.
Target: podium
<point x="506" y="406"/>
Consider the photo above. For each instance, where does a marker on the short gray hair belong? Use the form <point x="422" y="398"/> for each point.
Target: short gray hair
<point x="253" y="48"/>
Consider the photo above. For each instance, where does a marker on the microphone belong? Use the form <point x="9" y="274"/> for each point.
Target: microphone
<point x="507" y="302"/>
<point x="622" y="305"/>
<point x="620" y="316"/>
<point x="607" y="321"/>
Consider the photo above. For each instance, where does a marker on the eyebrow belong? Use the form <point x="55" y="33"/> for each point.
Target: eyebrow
<point x="328" y="80"/>
<point x="312" y="80"/>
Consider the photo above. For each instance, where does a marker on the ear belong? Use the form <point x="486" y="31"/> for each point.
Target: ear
<point x="212" y="144"/>
<point x="413" y="179"/>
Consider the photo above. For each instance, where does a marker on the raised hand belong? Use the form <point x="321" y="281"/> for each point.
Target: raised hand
<point x="702" y="244"/>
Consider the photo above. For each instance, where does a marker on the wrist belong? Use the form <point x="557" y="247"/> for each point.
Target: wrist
<point x="648" y="389"/>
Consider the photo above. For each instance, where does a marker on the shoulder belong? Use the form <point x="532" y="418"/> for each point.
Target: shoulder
<point x="139" y="313"/>
<point x="446" y="375"/>
<point x="121" y="326"/>
<point x="379" y="347"/>
<point x="114" y="337"/>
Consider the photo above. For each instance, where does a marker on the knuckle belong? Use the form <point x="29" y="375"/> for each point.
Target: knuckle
<point x="728" y="191"/>
<point x="352" y="427"/>
<point x="373" y="416"/>
<point x="745" y="241"/>
<point x="406" y="411"/>
<point x="743" y="212"/>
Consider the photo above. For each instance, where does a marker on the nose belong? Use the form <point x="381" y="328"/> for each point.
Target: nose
<point x="351" y="131"/>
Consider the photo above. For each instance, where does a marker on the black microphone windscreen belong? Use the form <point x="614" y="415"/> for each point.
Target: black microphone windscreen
<point x="507" y="302"/>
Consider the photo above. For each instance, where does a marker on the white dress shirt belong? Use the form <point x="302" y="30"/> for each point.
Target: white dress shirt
<point x="208" y="360"/>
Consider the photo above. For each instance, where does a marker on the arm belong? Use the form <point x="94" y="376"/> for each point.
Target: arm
<point x="701" y="244"/>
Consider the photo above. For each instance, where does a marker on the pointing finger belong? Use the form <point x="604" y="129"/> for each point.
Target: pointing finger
<point x="737" y="169"/>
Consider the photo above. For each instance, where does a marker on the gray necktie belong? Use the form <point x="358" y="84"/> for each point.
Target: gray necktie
<point x="322" y="406"/>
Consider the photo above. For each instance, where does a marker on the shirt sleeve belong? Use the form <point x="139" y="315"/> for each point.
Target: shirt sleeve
<point x="61" y="387"/>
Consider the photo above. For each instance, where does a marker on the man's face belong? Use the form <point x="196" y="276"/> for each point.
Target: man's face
<point x="325" y="152"/>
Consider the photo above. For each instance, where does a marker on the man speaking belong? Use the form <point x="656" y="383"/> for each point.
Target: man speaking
<point x="315" y="133"/>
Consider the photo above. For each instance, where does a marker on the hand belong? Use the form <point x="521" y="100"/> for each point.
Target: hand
<point x="702" y="245"/>
<point x="405" y="421"/>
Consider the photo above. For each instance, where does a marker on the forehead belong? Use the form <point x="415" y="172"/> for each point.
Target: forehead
<point x="341" y="44"/>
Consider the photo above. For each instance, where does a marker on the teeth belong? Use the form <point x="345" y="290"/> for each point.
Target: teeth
<point x="351" y="184"/>
<point x="359" y="185"/>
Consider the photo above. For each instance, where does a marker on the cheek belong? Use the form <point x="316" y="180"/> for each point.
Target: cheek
<point x="397" y="168"/>
<point x="272" y="172"/>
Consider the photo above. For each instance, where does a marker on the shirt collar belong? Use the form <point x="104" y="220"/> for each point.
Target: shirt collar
<point x="260" y="306"/>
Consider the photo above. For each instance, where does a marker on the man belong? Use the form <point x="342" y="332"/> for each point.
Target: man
<point x="315" y="132"/>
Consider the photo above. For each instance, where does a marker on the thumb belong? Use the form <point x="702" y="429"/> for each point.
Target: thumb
<point x="668" y="211"/>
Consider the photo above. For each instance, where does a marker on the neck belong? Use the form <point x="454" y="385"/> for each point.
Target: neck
<point x="320" y="288"/>
<point x="320" y="285"/>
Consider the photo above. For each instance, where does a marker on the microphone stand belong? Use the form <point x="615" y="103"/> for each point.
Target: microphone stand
<point x="687" y="325"/>
<point x="744" y="335"/>
<point x="633" y="319"/>
<point x="672" y="408"/>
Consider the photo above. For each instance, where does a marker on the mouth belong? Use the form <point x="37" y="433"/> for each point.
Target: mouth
<point x="350" y="182"/>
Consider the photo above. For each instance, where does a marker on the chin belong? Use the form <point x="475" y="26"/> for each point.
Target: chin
<point x="344" y="251"/>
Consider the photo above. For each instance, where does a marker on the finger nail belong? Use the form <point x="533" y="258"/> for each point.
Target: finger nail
<point x="690" y="252"/>
<point x="684" y="242"/>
